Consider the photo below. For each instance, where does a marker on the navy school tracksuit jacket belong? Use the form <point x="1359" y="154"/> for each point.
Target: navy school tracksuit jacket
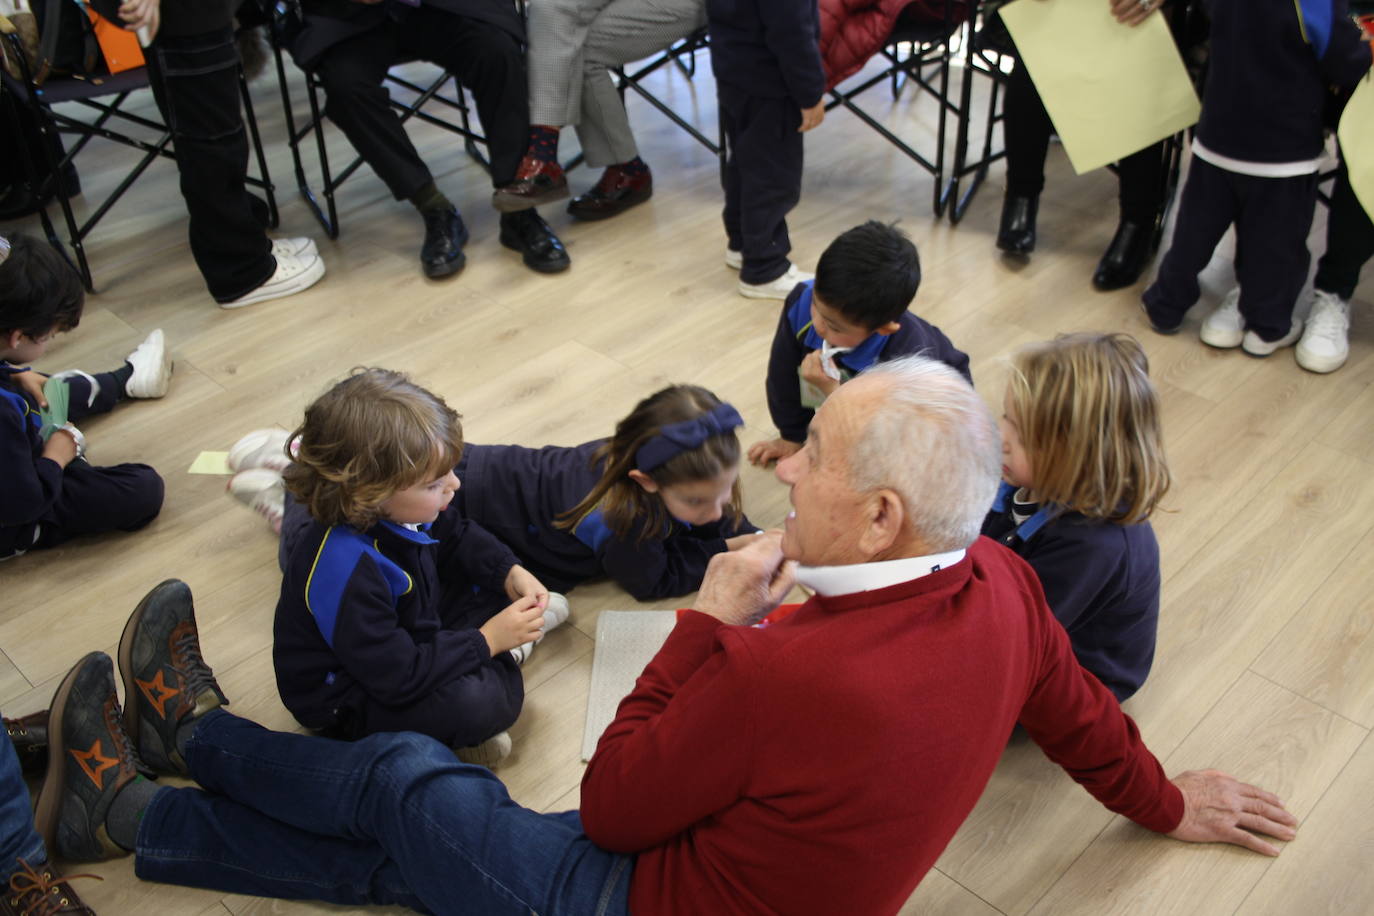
<point x="795" y="338"/>
<point x="358" y="619"/>
<point x="517" y="493"/>
<point x="1101" y="580"/>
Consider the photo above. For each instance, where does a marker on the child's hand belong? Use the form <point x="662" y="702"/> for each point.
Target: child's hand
<point x="761" y="454"/>
<point x="812" y="372"/>
<point x="60" y="447"/>
<point x="521" y="583"/>
<point x="32" y="382"/>
<point x="812" y="117"/>
<point x="518" y="624"/>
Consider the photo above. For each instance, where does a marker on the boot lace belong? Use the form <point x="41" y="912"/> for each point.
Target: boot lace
<point x="41" y="894"/>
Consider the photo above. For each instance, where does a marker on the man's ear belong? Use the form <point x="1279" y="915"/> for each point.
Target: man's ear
<point x="885" y="519"/>
<point x="645" y="482"/>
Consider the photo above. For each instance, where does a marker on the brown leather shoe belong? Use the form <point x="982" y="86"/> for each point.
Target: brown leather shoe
<point x="29" y="735"/>
<point x="41" y="890"/>
<point x="536" y="182"/>
<point x="615" y="193"/>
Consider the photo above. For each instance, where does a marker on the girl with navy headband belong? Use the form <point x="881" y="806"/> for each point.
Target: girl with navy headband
<point x="648" y="507"/>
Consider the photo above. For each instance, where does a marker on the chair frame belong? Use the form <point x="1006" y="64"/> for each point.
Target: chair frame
<point x="52" y="123"/>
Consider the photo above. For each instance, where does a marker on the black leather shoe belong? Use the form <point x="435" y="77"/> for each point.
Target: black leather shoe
<point x="526" y="232"/>
<point x="29" y="736"/>
<point x="445" y="235"/>
<point x="1016" y="233"/>
<point x="1126" y="257"/>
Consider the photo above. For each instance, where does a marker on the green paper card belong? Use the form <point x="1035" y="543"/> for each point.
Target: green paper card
<point x="55" y="414"/>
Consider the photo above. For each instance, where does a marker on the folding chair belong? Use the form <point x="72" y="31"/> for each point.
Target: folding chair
<point x="423" y="94"/>
<point x="914" y="47"/>
<point x="106" y="97"/>
<point x="987" y="47"/>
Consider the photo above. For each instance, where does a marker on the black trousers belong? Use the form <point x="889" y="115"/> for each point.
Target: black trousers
<point x="762" y="178"/>
<point x="485" y="59"/>
<point x="1349" y="240"/>
<point x="1027" y="130"/>
<point x="1272" y="217"/>
<point x="194" y="78"/>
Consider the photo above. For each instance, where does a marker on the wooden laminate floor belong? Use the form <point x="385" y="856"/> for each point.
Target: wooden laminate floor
<point x="1264" y="663"/>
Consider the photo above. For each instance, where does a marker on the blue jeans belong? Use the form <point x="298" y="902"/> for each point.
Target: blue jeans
<point x="18" y="839"/>
<point x="391" y="819"/>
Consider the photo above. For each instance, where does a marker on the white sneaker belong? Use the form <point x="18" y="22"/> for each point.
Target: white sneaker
<point x="1224" y="328"/>
<point x="262" y="448"/>
<point x="263" y="491"/>
<point x="487" y="754"/>
<point x="734" y="259"/>
<point x="293" y="248"/>
<point x="555" y="612"/>
<point x="1325" y="342"/>
<point x="293" y="274"/>
<point x="1258" y="346"/>
<point x="152" y="368"/>
<point x="780" y="288"/>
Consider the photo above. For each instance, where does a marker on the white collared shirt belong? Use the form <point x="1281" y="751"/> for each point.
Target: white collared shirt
<point x="865" y="577"/>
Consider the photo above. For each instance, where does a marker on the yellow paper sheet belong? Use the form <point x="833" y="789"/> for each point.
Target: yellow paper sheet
<point x="210" y="463"/>
<point x="1357" y="143"/>
<point x="1111" y="89"/>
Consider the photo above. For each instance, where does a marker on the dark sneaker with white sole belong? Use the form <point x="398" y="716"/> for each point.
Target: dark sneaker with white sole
<point x="166" y="682"/>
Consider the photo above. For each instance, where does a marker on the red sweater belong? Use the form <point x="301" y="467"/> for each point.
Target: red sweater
<point x="821" y="765"/>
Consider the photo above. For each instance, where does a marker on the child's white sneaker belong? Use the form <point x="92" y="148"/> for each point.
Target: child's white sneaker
<point x="1255" y="345"/>
<point x="263" y="491"/>
<point x="1325" y="343"/>
<point x="780" y="288"/>
<point x="262" y="448"/>
<point x="294" y="248"/>
<point x="294" y="274"/>
<point x="152" y="368"/>
<point x="555" y="612"/>
<point x="734" y="259"/>
<point x="1224" y="328"/>
<point x="487" y="754"/>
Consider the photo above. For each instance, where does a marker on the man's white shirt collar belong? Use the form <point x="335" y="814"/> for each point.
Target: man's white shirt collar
<point x="865" y="577"/>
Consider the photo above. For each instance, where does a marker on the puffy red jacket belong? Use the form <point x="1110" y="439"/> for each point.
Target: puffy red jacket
<point x="852" y="31"/>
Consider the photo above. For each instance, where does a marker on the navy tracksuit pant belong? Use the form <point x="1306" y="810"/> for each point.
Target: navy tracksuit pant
<point x="762" y="178"/>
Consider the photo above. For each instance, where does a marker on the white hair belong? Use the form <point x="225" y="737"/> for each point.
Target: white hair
<point x="933" y="441"/>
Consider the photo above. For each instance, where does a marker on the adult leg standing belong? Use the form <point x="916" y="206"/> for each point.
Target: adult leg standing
<point x="193" y="72"/>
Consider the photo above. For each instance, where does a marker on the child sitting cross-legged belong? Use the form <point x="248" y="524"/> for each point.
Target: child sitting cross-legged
<point x="50" y="493"/>
<point x="397" y="614"/>
<point x="854" y="314"/>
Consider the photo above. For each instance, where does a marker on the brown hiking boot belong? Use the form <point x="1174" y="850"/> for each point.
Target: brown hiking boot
<point x="29" y="735"/>
<point x="42" y="892"/>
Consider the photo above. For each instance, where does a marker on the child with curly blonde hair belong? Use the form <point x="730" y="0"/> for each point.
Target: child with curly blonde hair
<point x="394" y="612"/>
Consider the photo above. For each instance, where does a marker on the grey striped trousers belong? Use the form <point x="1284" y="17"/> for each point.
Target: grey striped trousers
<point x="572" y="43"/>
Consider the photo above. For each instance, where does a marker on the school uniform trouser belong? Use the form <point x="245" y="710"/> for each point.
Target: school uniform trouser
<point x="1027" y="128"/>
<point x="485" y="59"/>
<point x="392" y="819"/>
<point x="573" y="45"/>
<point x="1272" y="217"/>
<point x="762" y="178"/>
<point x="193" y="71"/>
<point x="1349" y="240"/>
<point x="18" y="839"/>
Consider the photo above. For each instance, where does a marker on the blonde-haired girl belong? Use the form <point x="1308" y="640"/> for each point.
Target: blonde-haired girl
<point x="1083" y="470"/>
<point x="648" y="507"/>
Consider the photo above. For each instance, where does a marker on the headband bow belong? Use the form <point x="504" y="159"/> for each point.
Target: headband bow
<point x="675" y="438"/>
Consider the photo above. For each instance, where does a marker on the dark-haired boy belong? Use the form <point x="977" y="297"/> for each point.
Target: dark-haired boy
<point x="51" y="493"/>
<point x="854" y="314"/>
